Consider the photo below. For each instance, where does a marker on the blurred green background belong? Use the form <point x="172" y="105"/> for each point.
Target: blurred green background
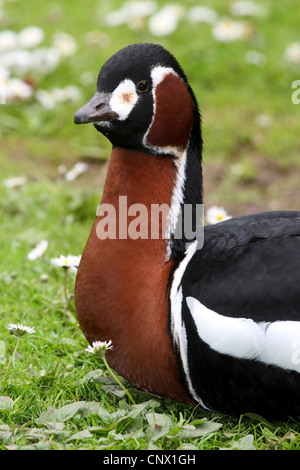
<point x="243" y="83"/>
<point x="241" y="57"/>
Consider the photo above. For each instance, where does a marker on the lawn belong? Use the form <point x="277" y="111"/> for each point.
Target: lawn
<point x="53" y="393"/>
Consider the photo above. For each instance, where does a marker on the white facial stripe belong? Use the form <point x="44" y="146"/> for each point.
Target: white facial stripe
<point x="124" y="99"/>
<point x="158" y="73"/>
<point x="276" y="343"/>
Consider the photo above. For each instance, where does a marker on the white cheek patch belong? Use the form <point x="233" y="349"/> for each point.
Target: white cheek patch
<point x="123" y="99"/>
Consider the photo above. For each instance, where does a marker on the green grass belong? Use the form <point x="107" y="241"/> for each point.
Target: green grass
<point x="57" y="396"/>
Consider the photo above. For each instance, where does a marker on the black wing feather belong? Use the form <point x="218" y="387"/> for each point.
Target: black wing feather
<point x="249" y="267"/>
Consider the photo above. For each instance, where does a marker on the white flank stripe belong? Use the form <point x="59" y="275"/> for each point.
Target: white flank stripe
<point x="276" y="343"/>
<point x="177" y="325"/>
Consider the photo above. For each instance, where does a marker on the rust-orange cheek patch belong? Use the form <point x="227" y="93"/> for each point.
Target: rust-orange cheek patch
<point x="127" y="97"/>
<point x="173" y="117"/>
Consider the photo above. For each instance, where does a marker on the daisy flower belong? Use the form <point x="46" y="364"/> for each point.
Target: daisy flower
<point x="165" y="21"/>
<point x="68" y="93"/>
<point x="130" y="12"/>
<point x="216" y="214"/>
<point x="45" y="59"/>
<point x="31" y="36"/>
<point x="263" y="120"/>
<point x="17" y="60"/>
<point x="96" y="38"/>
<point x="46" y="99"/>
<point x="15" y="183"/>
<point x="292" y="52"/>
<point x="98" y="348"/>
<point x="246" y="8"/>
<point x="87" y="78"/>
<point x="49" y="99"/>
<point x="8" y="40"/>
<point x="65" y="44"/>
<point x="200" y="14"/>
<point x="67" y="262"/>
<point x="38" y="251"/>
<point x="78" y="169"/>
<point x="4" y="73"/>
<point x="227" y="30"/>
<point x="17" y="89"/>
<point x="2" y="92"/>
<point x="20" y="330"/>
<point x="255" y="58"/>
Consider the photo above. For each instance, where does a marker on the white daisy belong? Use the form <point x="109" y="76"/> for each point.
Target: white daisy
<point x="78" y="169"/>
<point x="263" y="120"/>
<point x="227" y="30"/>
<point x="68" y="93"/>
<point x="17" y="89"/>
<point x="73" y="93"/>
<point x="96" y="38"/>
<point x="38" y="251"/>
<point x="130" y="12"/>
<point x="165" y="21"/>
<point x="216" y="214"/>
<point x="46" y="99"/>
<point x="4" y="73"/>
<point x="67" y="262"/>
<point x="246" y="8"/>
<point x="15" y="183"/>
<point x="255" y="58"/>
<point x="87" y="78"/>
<point x="49" y="99"/>
<point x="65" y="44"/>
<point x="8" y="40"/>
<point x="200" y="14"/>
<point x="31" y="36"/>
<point x="99" y="348"/>
<point x="62" y="170"/>
<point x="20" y="329"/>
<point x="2" y="91"/>
<point x="45" y="59"/>
<point x="292" y="52"/>
<point x="17" y="60"/>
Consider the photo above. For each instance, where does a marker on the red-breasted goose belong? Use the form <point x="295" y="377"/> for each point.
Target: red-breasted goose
<point x="215" y="323"/>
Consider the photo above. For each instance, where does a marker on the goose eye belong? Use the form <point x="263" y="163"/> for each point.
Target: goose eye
<point x="142" y="86"/>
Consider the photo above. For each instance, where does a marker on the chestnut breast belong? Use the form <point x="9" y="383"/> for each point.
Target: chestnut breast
<point x="121" y="285"/>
